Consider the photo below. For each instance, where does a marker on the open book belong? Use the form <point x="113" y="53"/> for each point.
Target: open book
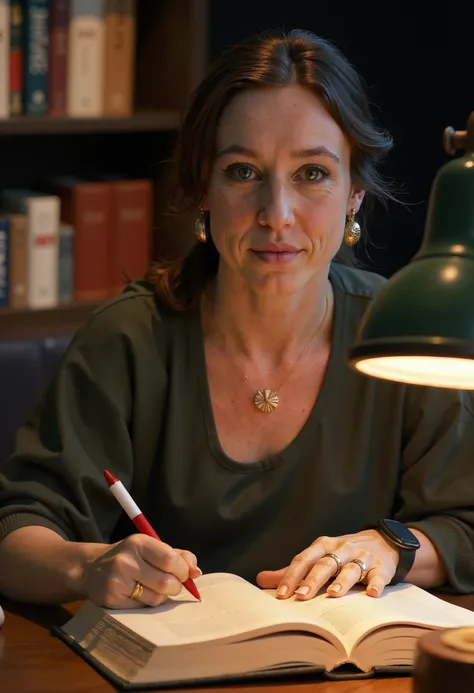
<point x="238" y="630"/>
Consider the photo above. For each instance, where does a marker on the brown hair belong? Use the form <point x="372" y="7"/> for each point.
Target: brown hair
<point x="271" y="59"/>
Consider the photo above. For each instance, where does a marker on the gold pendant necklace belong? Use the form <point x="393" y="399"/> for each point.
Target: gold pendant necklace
<point x="268" y="400"/>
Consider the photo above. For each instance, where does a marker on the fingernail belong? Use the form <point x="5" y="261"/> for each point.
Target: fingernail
<point x="374" y="590"/>
<point x="199" y="570"/>
<point x="282" y="590"/>
<point x="335" y="588"/>
<point x="303" y="590"/>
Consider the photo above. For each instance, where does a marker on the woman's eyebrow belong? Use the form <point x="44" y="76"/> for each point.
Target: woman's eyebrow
<point x="298" y="154"/>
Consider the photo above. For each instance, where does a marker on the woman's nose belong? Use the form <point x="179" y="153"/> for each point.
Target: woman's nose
<point x="275" y="208"/>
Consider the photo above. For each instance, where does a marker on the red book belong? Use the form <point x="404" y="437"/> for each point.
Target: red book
<point x="58" y="56"/>
<point x="131" y="237"/>
<point x="16" y="58"/>
<point x="87" y="207"/>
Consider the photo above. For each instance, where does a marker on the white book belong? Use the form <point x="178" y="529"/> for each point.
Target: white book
<point x="239" y="631"/>
<point x="86" y="65"/>
<point x="43" y="212"/>
<point x="4" y="58"/>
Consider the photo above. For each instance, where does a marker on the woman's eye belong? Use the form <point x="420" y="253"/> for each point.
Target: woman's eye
<point x="313" y="174"/>
<point x="240" y="172"/>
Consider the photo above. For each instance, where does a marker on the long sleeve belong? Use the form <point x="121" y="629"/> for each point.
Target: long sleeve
<point x="86" y="422"/>
<point x="436" y="492"/>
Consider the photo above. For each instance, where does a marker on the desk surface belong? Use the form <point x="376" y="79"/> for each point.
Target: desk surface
<point x="33" y="661"/>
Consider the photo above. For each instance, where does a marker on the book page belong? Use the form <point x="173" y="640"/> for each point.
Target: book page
<point x="356" y="614"/>
<point x="230" y="608"/>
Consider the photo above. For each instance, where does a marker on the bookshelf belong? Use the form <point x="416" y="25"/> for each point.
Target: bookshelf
<point x="170" y="59"/>
<point x="153" y="121"/>
<point x="28" y="324"/>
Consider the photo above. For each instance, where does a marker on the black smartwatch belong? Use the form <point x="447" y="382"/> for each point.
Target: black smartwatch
<point x="406" y="542"/>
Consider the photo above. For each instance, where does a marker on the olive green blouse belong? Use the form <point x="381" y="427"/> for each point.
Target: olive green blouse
<point x="131" y="395"/>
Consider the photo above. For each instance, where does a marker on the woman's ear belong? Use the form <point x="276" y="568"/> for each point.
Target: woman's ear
<point x="355" y="200"/>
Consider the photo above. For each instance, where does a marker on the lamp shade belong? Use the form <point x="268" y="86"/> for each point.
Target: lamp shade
<point x="420" y="327"/>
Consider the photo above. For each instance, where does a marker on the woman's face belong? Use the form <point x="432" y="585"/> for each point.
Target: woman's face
<point x="280" y="188"/>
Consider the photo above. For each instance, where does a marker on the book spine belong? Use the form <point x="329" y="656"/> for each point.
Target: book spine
<point x="4" y="262"/>
<point x="130" y="242"/>
<point x="66" y="263"/>
<point x="43" y="231"/>
<point x="58" y="57"/>
<point x="4" y="59"/>
<point x="16" y="58"/>
<point x="92" y="225"/>
<point x="120" y="31"/>
<point x="86" y="59"/>
<point x="36" y="25"/>
<point x="18" y="260"/>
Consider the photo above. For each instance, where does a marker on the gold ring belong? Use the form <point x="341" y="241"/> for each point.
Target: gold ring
<point x="362" y="566"/>
<point x="338" y="562"/>
<point x="137" y="591"/>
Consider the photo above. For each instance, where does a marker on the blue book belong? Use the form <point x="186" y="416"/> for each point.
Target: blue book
<point x="66" y="263"/>
<point x="36" y="56"/>
<point x="4" y="261"/>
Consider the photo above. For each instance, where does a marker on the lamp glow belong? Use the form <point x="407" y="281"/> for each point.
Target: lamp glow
<point x="421" y="370"/>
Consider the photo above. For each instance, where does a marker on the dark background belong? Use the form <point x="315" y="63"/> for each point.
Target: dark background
<point x="418" y="65"/>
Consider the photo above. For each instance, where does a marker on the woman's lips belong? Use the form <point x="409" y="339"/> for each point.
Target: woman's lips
<point x="276" y="257"/>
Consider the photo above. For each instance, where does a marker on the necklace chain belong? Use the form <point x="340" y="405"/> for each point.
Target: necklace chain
<point x="267" y="400"/>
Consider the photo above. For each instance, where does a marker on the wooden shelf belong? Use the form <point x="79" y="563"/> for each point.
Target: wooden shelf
<point x="170" y="60"/>
<point x="153" y="121"/>
<point x="65" y="319"/>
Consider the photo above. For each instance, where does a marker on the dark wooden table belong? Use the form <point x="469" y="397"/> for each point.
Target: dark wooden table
<point x="33" y="661"/>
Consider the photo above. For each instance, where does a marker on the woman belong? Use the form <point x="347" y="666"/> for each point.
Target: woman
<point x="218" y="392"/>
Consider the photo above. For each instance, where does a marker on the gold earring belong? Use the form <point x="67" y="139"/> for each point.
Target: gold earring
<point x="352" y="230"/>
<point x="200" y="227"/>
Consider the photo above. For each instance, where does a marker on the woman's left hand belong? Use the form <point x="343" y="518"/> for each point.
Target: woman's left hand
<point x="310" y="570"/>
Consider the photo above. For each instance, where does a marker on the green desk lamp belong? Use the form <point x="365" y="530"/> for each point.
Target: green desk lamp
<point x="420" y="327"/>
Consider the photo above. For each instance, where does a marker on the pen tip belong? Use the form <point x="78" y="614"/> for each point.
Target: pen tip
<point x="110" y="478"/>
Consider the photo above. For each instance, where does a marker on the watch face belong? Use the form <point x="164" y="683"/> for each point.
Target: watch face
<point x="399" y="534"/>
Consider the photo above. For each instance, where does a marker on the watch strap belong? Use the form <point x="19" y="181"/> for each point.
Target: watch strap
<point x="396" y="534"/>
<point x="405" y="562"/>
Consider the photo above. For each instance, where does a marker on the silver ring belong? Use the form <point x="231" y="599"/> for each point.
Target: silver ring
<point x="337" y="560"/>
<point x="362" y="566"/>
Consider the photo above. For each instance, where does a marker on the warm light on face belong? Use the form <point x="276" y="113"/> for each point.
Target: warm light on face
<point x="422" y="370"/>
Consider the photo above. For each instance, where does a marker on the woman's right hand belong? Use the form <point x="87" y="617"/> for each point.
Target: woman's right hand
<point x="109" y="578"/>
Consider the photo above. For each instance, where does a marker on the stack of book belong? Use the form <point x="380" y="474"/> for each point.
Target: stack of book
<point x="73" y="240"/>
<point x="67" y="57"/>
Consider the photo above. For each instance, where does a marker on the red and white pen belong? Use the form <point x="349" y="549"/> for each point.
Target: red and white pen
<point x="139" y="520"/>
